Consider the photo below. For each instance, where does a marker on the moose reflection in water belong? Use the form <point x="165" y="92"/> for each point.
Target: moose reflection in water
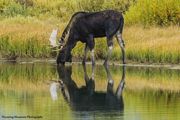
<point x="86" y="98"/>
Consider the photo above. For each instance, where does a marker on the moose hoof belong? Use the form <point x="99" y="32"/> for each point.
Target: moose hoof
<point x="83" y="62"/>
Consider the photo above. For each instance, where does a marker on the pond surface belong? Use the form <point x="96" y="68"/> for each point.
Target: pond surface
<point x="74" y="92"/>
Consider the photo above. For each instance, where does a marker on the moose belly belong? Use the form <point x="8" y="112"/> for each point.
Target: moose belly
<point x="98" y="32"/>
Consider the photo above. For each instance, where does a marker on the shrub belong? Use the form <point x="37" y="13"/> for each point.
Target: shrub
<point x="13" y="9"/>
<point x="154" y="12"/>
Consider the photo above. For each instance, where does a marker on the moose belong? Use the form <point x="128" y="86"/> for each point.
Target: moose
<point x="86" y="98"/>
<point x="85" y="27"/>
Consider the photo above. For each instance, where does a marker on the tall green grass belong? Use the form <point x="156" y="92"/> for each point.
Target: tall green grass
<point x="24" y="37"/>
<point x="29" y="48"/>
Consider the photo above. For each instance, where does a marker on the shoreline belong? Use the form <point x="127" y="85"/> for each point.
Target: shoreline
<point x="98" y="62"/>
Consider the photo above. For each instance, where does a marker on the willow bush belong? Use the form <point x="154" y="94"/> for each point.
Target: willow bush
<point x="154" y="12"/>
<point x="146" y="12"/>
<point x="58" y="8"/>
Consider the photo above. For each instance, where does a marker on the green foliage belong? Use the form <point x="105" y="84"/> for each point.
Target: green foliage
<point x="152" y="56"/>
<point x="25" y="3"/>
<point x="154" y="12"/>
<point x="146" y="12"/>
<point x="29" y="48"/>
<point x="58" y="8"/>
<point x="13" y="9"/>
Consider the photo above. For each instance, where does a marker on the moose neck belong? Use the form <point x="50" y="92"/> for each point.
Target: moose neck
<point x="70" y="44"/>
<point x="65" y="53"/>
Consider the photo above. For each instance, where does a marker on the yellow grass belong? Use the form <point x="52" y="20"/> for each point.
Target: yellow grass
<point x="152" y="44"/>
<point x="165" y="39"/>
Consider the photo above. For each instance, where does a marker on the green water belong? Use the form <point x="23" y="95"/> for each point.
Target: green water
<point x="26" y="91"/>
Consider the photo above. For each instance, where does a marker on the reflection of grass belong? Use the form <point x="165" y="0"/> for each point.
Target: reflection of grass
<point x="26" y="77"/>
<point x="35" y="77"/>
<point x="37" y="103"/>
<point x="138" y="83"/>
<point x="147" y="90"/>
<point x="23" y="85"/>
<point x="136" y="78"/>
<point x="155" y="79"/>
<point x="152" y="105"/>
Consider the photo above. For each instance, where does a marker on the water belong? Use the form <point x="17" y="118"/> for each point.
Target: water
<point x="43" y="91"/>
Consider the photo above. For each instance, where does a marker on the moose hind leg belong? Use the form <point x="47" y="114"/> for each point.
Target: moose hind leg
<point x="122" y="45"/>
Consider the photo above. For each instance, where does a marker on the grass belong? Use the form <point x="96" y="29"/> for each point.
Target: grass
<point x="28" y="37"/>
<point x="153" y="45"/>
<point x="24" y="37"/>
<point x="150" y="37"/>
<point x="143" y="45"/>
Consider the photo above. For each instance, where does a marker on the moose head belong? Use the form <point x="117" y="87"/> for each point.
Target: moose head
<point x="64" y="54"/>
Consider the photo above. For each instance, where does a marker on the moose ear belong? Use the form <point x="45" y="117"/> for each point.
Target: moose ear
<point x="53" y="37"/>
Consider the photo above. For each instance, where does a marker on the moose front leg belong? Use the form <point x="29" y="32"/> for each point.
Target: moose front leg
<point x="110" y="47"/>
<point x="86" y="49"/>
<point x="122" y="45"/>
<point x="90" y="43"/>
